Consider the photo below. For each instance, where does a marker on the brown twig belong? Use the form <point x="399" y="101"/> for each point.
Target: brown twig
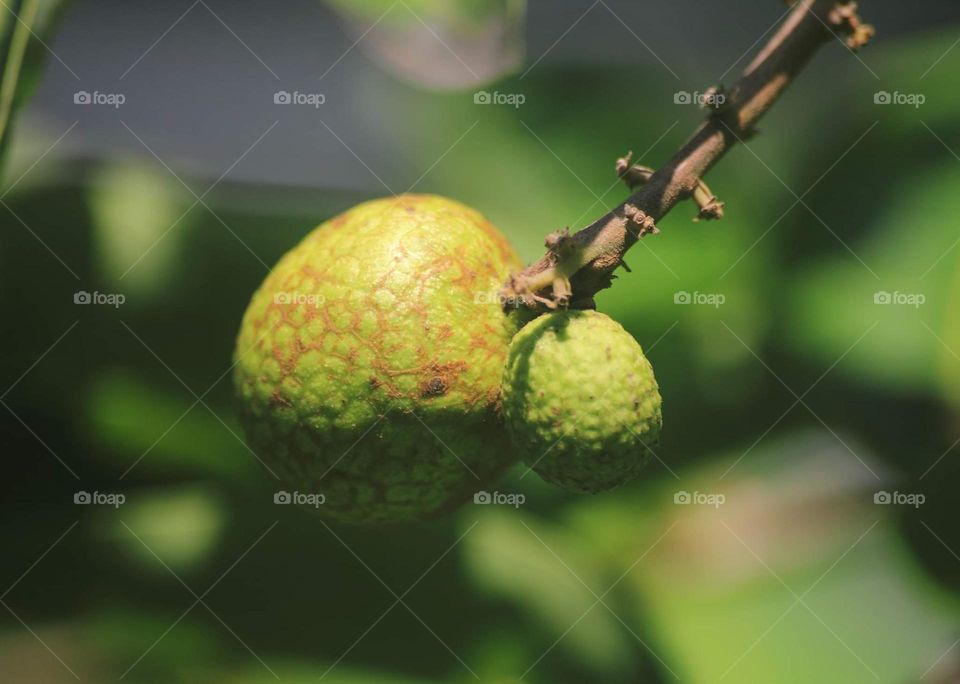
<point x="577" y="266"/>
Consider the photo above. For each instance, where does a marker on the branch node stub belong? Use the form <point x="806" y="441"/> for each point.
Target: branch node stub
<point x="716" y="99"/>
<point x="623" y="163"/>
<point x="633" y="175"/>
<point x="711" y="208"/>
<point x="710" y="211"/>
<point x="561" y="246"/>
<point x="639" y="222"/>
<point x="518" y="293"/>
<point x="562" y="292"/>
<point x="559" y="242"/>
<point x="843" y="18"/>
<point x="515" y="293"/>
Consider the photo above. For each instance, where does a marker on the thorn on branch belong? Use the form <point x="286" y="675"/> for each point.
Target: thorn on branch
<point x="845" y="20"/>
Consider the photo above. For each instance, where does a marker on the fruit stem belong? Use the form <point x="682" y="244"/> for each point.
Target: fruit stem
<point x="593" y="253"/>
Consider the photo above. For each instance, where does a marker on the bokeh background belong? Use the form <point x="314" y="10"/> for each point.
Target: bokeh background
<point x="800" y="523"/>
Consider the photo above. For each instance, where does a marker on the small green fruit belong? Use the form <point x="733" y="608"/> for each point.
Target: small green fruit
<point x="368" y="363"/>
<point x="581" y="401"/>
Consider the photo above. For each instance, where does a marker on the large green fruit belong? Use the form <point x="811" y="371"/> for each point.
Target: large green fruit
<point x="581" y="401"/>
<point x="368" y="363"/>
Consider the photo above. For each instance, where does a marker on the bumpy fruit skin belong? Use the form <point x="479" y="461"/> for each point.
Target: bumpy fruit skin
<point x="368" y="363"/>
<point x="581" y="401"/>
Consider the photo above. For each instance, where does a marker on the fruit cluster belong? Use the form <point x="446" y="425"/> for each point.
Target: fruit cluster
<point x="374" y="365"/>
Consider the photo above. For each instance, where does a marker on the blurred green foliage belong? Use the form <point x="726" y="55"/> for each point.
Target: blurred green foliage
<point x="21" y="58"/>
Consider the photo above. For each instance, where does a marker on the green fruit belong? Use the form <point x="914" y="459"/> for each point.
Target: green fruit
<point x="368" y="363"/>
<point x="581" y="401"/>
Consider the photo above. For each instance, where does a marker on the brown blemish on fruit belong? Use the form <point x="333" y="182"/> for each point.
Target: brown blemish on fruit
<point x="434" y="387"/>
<point x="277" y="400"/>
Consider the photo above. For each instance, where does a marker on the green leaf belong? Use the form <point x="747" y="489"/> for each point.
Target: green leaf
<point x="15" y="28"/>
<point x="20" y="53"/>
<point x="551" y="577"/>
<point x="181" y="525"/>
<point x="138" y="218"/>
<point x="906" y="306"/>
<point x="129" y="417"/>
